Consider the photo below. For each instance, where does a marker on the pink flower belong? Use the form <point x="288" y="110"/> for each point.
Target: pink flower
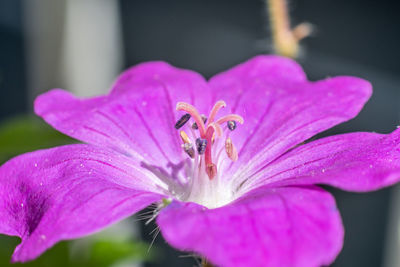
<point x="241" y="194"/>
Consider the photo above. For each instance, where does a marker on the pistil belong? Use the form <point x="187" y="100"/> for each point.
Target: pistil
<point x="209" y="130"/>
<point x="211" y="169"/>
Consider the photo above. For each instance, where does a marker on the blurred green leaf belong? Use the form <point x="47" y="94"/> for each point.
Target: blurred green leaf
<point x="27" y="133"/>
<point x="105" y="253"/>
<point x="96" y="253"/>
<point x="56" y="256"/>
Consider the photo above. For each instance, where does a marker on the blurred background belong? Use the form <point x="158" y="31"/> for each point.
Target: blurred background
<point x="81" y="45"/>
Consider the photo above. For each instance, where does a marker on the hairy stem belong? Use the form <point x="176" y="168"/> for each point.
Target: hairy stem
<point x="286" y="40"/>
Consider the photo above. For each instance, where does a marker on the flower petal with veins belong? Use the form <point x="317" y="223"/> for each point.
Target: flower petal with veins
<point x="253" y="204"/>
<point x="68" y="192"/>
<point x="293" y="226"/>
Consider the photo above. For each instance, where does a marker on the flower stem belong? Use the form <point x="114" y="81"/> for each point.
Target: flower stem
<point x="285" y="39"/>
<point x="205" y="263"/>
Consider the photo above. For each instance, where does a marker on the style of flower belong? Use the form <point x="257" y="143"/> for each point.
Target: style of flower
<point x="228" y="155"/>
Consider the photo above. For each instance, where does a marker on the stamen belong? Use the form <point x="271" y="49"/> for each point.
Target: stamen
<point x="220" y="104"/>
<point x="211" y="170"/>
<point x="217" y="128"/>
<point x="195" y="115"/>
<point x="204" y="118"/>
<point x="184" y="137"/>
<point x="209" y="131"/>
<point x="231" y="125"/>
<point x="231" y="149"/>
<point x="201" y="145"/>
<point x="230" y="117"/>
<point x="188" y="148"/>
<point x="182" y="121"/>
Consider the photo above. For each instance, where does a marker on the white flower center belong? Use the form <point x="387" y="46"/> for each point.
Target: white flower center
<point x="208" y="146"/>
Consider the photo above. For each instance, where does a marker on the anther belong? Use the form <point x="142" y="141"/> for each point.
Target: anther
<point x="188" y="148"/>
<point x="195" y="126"/>
<point x="209" y="130"/>
<point x="184" y="137"/>
<point x="182" y="121"/>
<point x="231" y="125"/>
<point x="201" y="145"/>
<point x="211" y="170"/>
<point x="231" y="149"/>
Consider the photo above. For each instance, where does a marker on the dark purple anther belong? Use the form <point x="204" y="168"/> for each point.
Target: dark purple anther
<point x="182" y="121"/>
<point x="188" y="148"/>
<point x="204" y="118"/>
<point x="231" y="125"/>
<point x="201" y="145"/>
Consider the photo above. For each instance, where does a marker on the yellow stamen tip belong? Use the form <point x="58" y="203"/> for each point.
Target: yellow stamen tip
<point x="184" y="137"/>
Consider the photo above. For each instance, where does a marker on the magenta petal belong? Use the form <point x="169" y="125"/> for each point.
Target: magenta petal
<point x="355" y="162"/>
<point x="68" y="192"/>
<point x="293" y="226"/>
<point x="137" y="118"/>
<point x="281" y="108"/>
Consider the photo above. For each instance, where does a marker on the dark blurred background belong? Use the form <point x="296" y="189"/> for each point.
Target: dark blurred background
<point x="82" y="44"/>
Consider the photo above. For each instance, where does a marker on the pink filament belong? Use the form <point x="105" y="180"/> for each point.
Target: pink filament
<point x="217" y="128"/>
<point x="195" y="115"/>
<point x="220" y="104"/>
<point x="230" y="117"/>
<point x="207" y="131"/>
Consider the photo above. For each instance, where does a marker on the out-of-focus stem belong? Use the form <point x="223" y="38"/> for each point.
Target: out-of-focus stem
<point x="286" y="40"/>
<point x="205" y="263"/>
